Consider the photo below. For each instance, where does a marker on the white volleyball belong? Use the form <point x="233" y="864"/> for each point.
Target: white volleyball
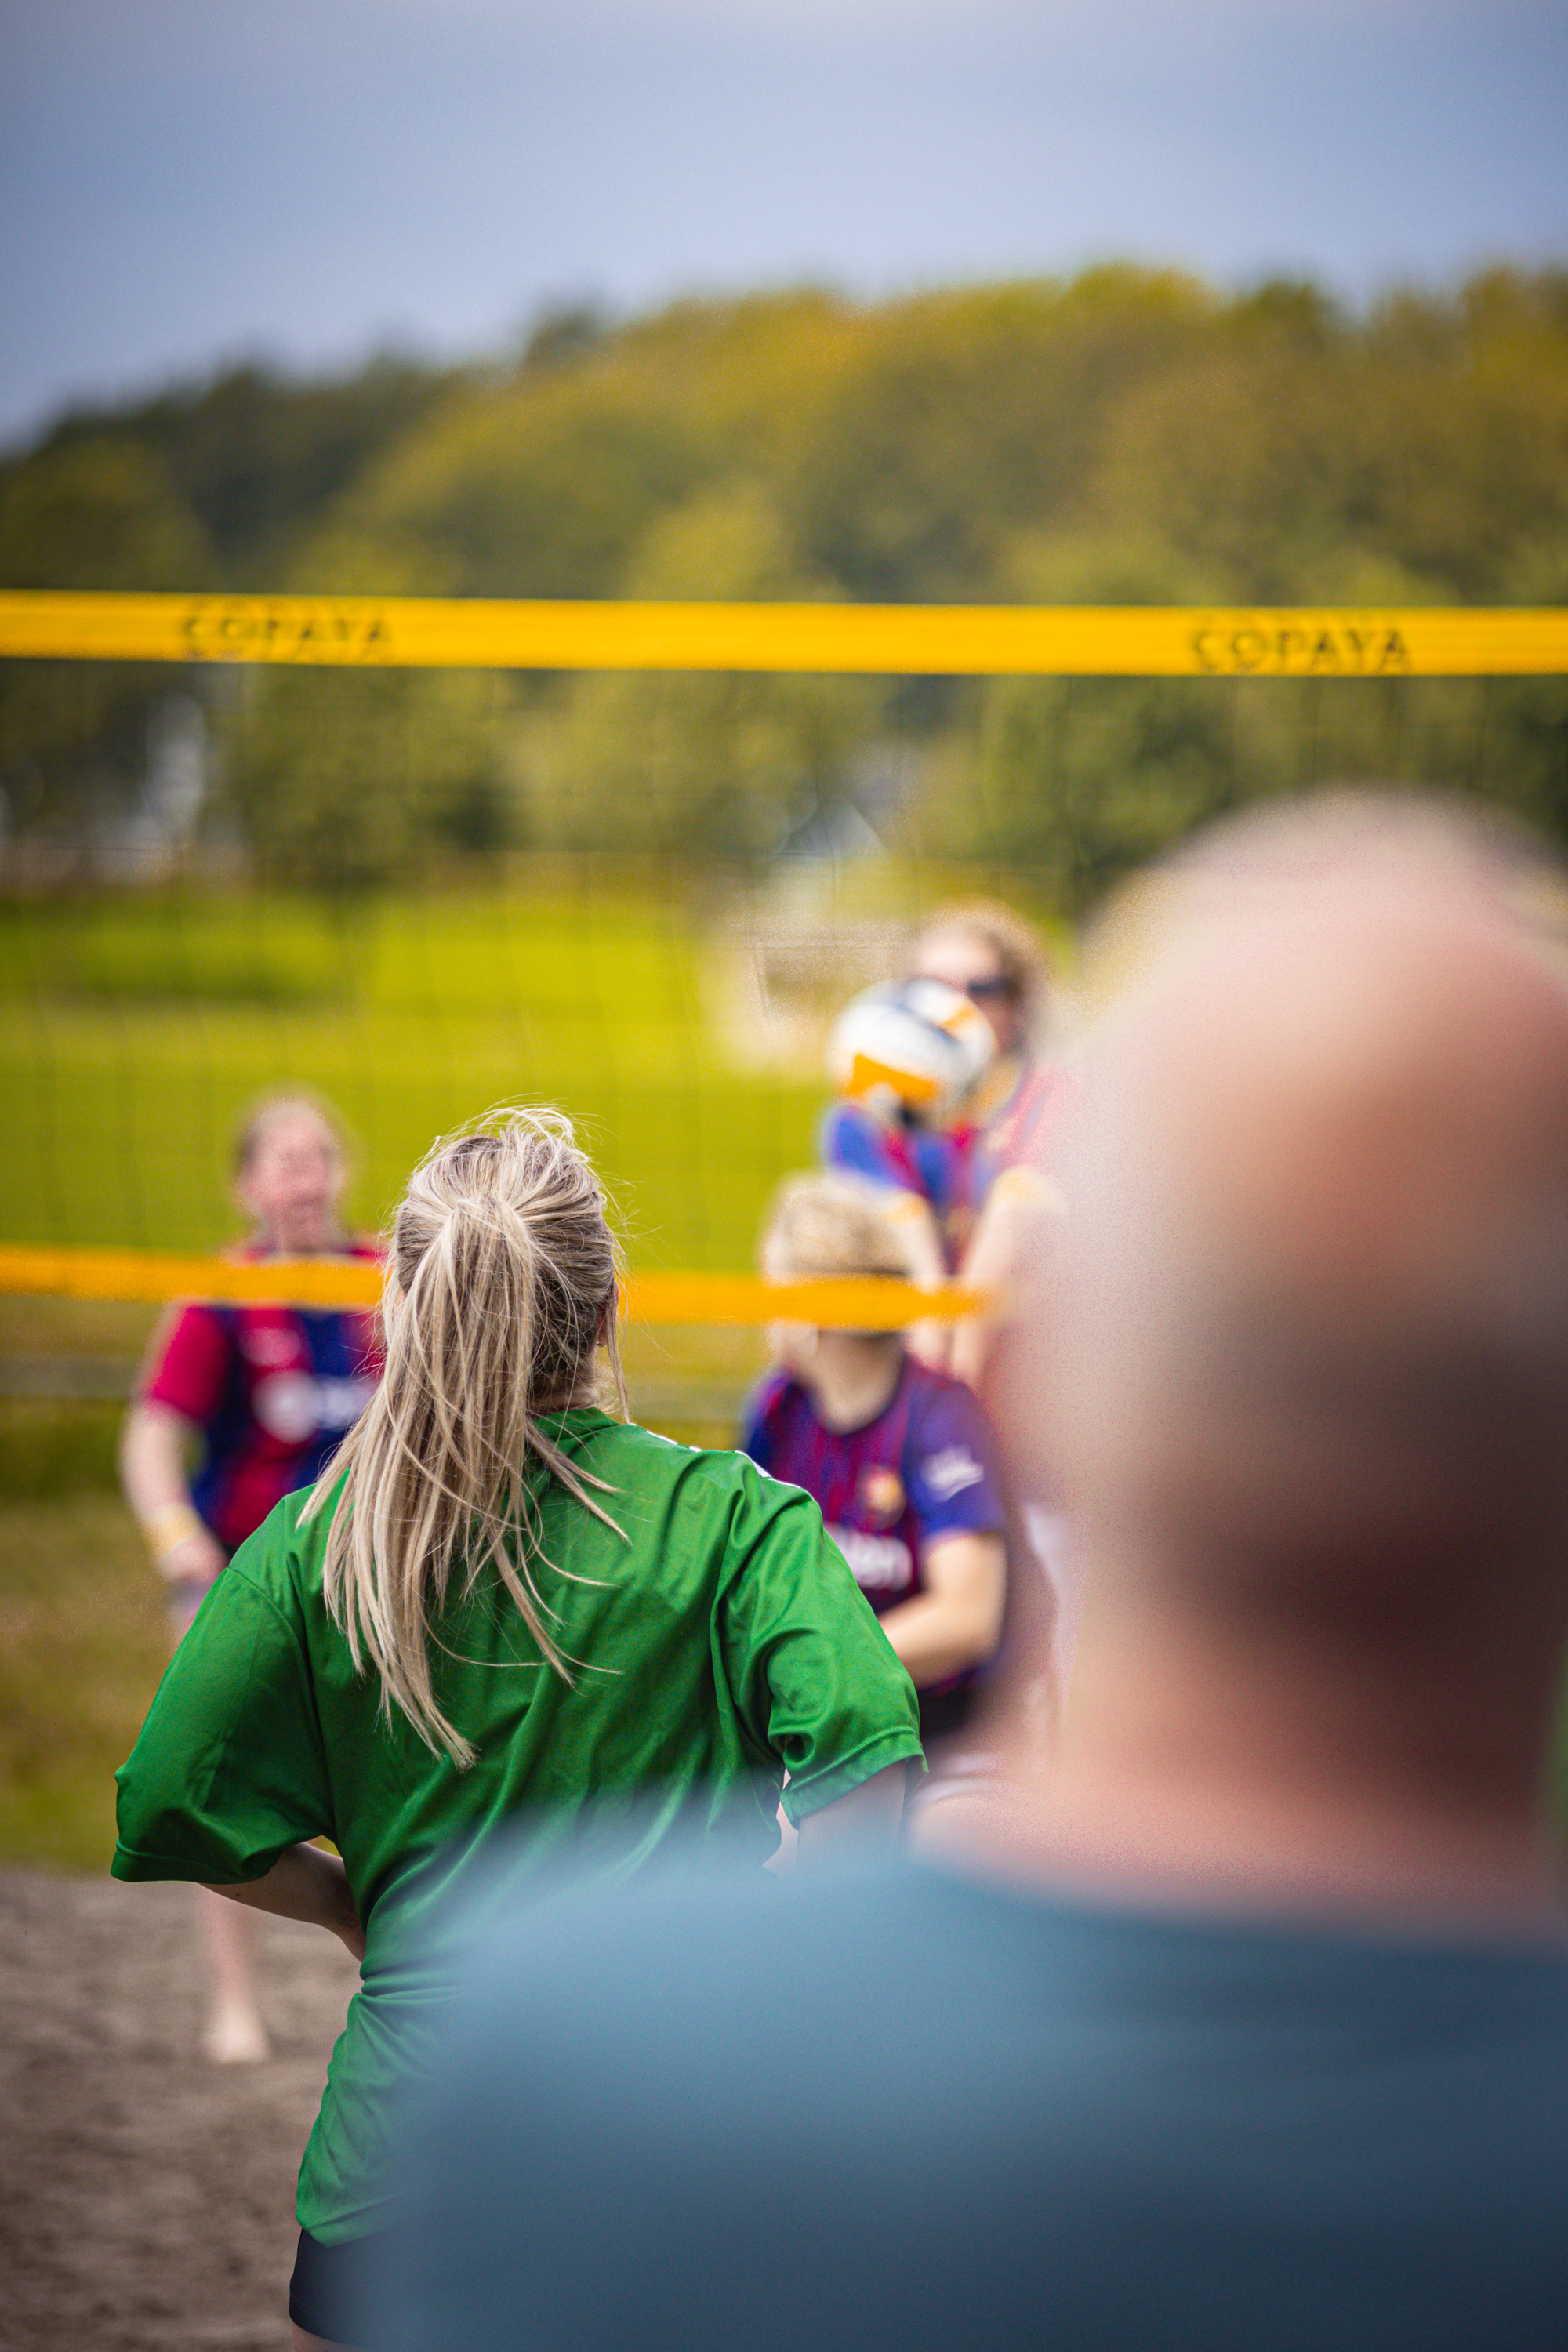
<point x="918" y="1042"/>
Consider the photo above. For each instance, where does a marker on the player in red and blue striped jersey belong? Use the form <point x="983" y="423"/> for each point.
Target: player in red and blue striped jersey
<point x="269" y="1393"/>
<point x="899" y="1458"/>
<point x="240" y="1405"/>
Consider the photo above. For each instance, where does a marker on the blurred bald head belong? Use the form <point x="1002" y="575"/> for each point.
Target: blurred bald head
<point x="1310" y="1348"/>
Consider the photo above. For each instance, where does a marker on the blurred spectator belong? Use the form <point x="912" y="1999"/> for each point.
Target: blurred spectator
<point x="1246" y="2024"/>
<point x="898" y="1457"/>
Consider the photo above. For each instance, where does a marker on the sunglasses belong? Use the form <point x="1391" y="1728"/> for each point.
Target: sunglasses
<point x="982" y="991"/>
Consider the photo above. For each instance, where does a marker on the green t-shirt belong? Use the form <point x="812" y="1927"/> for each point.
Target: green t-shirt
<point x="723" y="1644"/>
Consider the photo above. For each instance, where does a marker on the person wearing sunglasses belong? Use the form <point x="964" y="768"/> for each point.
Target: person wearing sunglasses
<point x="990" y="956"/>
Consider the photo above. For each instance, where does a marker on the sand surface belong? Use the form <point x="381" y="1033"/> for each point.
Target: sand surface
<point x="147" y="2197"/>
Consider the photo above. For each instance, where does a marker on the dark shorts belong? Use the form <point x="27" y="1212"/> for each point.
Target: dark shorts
<point x="324" y="2296"/>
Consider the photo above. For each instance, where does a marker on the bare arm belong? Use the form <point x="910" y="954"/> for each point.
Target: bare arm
<point x="868" y="1815"/>
<point x="305" y="1883"/>
<point x="957" y="1620"/>
<point x="1005" y="1248"/>
<point x="918" y="1231"/>
<point x="154" y="1447"/>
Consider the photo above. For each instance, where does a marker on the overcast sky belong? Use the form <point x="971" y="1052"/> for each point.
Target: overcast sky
<point x="188" y="180"/>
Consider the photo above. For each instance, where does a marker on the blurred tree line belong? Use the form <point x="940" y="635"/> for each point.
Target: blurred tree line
<point x="1130" y="436"/>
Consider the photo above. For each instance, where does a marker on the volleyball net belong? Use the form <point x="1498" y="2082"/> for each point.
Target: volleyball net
<point x="426" y="856"/>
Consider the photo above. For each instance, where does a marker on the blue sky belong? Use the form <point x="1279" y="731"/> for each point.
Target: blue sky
<point x="186" y="180"/>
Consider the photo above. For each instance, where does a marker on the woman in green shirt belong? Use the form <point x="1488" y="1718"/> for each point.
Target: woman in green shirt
<point x="500" y="1610"/>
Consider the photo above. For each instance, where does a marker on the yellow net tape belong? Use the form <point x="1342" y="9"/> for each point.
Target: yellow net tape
<point x="940" y="639"/>
<point x="872" y="1305"/>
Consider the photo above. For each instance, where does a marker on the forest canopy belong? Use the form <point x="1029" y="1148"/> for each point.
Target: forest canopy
<point x="1128" y="436"/>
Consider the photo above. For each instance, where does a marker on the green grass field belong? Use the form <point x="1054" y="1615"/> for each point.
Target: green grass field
<point x="135" y="1028"/>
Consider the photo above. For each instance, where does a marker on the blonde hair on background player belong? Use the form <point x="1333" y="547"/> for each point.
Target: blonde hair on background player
<point x="830" y="1226"/>
<point x="1022" y="963"/>
<point x="502" y="1288"/>
<point x="289" y="1102"/>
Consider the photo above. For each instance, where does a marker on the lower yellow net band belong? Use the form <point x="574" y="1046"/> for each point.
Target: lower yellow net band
<point x="873" y="1304"/>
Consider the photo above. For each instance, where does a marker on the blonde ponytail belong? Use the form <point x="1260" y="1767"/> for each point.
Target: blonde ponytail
<point x="501" y="1287"/>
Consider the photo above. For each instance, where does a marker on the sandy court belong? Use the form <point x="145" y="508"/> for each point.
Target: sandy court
<point x="146" y="2196"/>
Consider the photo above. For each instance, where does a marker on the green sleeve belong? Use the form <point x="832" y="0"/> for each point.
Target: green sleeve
<point x="814" y="1678"/>
<point x="229" y="1767"/>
